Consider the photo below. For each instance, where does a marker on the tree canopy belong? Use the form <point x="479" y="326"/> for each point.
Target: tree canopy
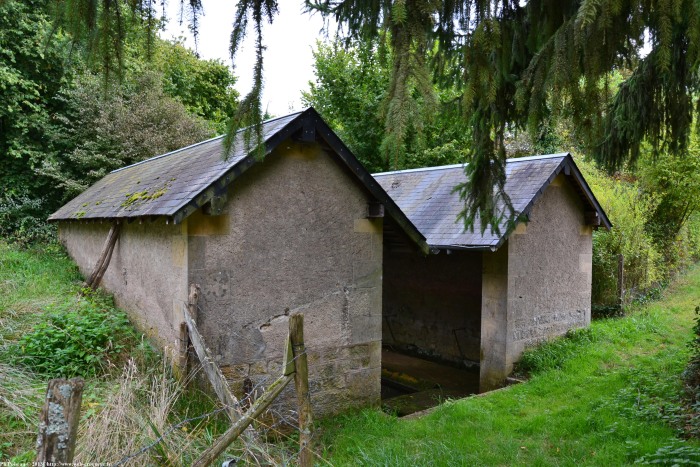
<point x="516" y="63"/>
<point x="63" y="125"/>
<point x="350" y="91"/>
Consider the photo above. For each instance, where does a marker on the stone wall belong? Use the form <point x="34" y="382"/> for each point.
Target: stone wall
<point x="293" y="237"/>
<point x="432" y="304"/>
<point x="495" y="354"/>
<point x="147" y="273"/>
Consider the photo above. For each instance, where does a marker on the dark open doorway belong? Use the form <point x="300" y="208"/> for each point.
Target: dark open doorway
<point x="431" y="327"/>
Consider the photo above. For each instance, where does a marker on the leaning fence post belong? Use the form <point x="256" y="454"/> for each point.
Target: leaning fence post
<point x="301" y="381"/>
<point x="58" y="423"/>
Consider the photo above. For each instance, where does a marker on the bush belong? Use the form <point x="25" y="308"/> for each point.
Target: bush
<point x="691" y="375"/>
<point x="23" y="220"/>
<point x="629" y="210"/>
<point x="82" y="337"/>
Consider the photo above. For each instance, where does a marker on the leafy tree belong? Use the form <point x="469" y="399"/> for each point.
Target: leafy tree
<point x="205" y="87"/>
<point x="675" y="183"/>
<point x="98" y="130"/>
<point x="350" y="93"/>
<point x="32" y="71"/>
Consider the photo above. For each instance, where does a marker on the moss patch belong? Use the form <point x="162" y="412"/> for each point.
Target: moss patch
<point x="143" y="196"/>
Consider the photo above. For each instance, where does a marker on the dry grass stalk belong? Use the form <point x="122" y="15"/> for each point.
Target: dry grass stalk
<point x="20" y="394"/>
<point x="130" y="418"/>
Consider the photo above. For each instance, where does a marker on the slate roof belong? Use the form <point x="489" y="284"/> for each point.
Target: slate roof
<point x="426" y="197"/>
<point x="176" y="184"/>
<point x="162" y="185"/>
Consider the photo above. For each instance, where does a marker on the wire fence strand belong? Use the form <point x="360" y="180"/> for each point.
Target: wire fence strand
<point x="246" y="401"/>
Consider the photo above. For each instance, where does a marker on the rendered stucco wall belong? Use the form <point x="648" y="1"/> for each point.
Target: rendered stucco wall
<point x="549" y="269"/>
<point x="432" y="304"/>
<point x="293" y="237"/>
<point x="147" y="273"/>
<point x="538" y="284"/>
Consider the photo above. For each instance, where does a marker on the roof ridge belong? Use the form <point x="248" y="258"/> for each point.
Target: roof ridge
<point x="159" y="156"/>
<point x="454" y="166"/>
<point x="541" y="156"/>
<point x="420" y="169"/>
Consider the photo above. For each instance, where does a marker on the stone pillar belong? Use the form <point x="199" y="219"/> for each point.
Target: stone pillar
<point x="495" y="364"/>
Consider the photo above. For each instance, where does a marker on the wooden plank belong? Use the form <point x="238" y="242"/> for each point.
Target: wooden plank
<point x="301" y="382"/>
<point x="288" y="360"/>
<point x="58" y="423"/>
<point x="211" y="369"/>
<point x="260" y="405"/>
<point x="105" y="256"/>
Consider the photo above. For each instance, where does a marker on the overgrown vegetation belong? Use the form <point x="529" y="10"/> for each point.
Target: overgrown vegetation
<point x="132" y="400"/>
<point x="632" y="200"/>
<point x="83" y="337"/>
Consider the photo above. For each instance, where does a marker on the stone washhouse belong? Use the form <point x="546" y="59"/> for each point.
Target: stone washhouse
<point x="369" y="260"/>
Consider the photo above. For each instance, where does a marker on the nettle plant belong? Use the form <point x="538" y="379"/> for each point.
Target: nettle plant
<point x="84" y="337"/>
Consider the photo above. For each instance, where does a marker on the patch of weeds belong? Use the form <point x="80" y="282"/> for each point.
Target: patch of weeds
<point x="652" y="294"/>
<point x="691" y="380"/>
<point x="555" y="353"/>
<point x="76" y="338"/>
<point x="606" y="311"/>
<point x="650" y="394"/>
<point x="676" y="453"/>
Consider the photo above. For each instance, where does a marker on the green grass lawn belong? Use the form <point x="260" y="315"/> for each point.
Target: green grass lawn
<point x="605" y="396"/>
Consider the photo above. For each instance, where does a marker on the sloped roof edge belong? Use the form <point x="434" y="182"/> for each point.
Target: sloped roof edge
<point x="569" y="167"/>
<point x="305" y="120"/>
<point x="370" y="183"/>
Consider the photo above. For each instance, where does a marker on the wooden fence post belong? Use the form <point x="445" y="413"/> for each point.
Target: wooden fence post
<point x="193" y="301"/>
<point x="620" y="281"/>
<point x="242" y="423"/>
<point x="185" y="341"/>
<point x="301" y="382"/>
<point x="58" y="423"/>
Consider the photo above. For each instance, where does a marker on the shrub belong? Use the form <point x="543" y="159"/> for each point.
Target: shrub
<point x="23" y="220"/>
<point x="691" y="375"/>
<point x="77" y="338"/>
<point x="629" y="210"/>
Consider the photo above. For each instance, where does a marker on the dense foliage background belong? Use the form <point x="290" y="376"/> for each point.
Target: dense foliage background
<point x="65" y="122"/>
